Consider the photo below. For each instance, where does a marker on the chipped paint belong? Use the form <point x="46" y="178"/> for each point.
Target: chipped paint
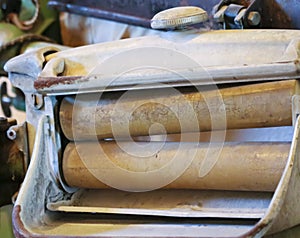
<point x="47" y="82"/>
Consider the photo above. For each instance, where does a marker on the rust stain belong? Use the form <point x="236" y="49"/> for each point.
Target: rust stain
<point x="297" y="64"/>
<point x="18" y="226"/>
<point x="47" y="82"/>
<point x="259" y="227"/>
<point x="21" y="232"/>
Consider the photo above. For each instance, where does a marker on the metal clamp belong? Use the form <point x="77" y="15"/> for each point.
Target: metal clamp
<point x="238" y="14"/>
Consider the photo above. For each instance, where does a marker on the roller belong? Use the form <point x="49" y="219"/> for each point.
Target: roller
<point x="239" y="166"/>
<point x="138" y="112"/>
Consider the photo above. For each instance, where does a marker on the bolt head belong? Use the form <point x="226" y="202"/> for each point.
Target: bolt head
<point x="254" y="18"/>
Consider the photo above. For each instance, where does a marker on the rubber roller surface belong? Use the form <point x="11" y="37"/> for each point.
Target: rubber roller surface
<point x="239" y="166"/>
<point x="85" y="117"/>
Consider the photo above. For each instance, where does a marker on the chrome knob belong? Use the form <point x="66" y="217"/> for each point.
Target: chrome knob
<point x="178" y="17"/>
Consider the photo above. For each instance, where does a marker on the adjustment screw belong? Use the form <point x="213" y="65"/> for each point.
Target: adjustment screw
<point x="254" y="18"/>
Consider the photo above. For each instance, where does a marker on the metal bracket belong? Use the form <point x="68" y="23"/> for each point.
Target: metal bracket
<point x="238" y="14"/>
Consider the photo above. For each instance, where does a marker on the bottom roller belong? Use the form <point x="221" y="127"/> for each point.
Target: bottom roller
<point x="128" y="166"/>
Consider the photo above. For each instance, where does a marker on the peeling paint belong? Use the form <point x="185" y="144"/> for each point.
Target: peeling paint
<point x="46" y="82"/>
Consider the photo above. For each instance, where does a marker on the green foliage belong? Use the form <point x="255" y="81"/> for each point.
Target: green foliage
<point x="5" y="222"/>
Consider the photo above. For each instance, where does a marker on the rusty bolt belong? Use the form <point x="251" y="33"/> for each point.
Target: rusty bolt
<point x="254" y="18"/>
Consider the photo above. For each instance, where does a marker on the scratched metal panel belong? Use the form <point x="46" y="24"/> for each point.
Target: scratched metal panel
<point x="281" y="14"/>
<point x="292" y="9"/>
